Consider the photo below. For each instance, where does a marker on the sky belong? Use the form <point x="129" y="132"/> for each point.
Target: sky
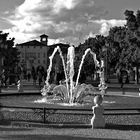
<point x="66" y="21"/>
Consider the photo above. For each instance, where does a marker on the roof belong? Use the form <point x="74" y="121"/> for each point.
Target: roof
<point x="60" y="45"/>
<point x="43" y="35"/>
<point x="63" y="47"/>
<point x="32" y="43"/>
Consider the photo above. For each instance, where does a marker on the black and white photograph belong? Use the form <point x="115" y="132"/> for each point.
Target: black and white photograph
<point x="69" y="69"/>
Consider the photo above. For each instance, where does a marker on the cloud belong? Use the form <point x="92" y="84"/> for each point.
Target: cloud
<point x="61" y="20"/>
<point x="61" y="4"/>
<point x="107" y="24"/>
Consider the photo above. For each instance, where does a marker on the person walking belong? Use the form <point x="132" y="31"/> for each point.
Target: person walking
<point x="122" y="81"/>
<point x="34" y="78"/>
<point x="39" y="78"/>
<point x="29" y="76"/>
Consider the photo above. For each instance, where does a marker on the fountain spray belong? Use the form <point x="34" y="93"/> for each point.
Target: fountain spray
<point x="50" y="67"/>
<point x="64" y="67"/>
<point x="70" y="70"/>
<point x="82" y="61"/>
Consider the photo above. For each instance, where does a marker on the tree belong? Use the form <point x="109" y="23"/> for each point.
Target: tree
<point x="125" y="41"/>
<point x="133" y="37"/>
<point x="131" y="20"/>
<point x="96" y="45"/>
<point x="138" y="18"/>
<point x="9" y="53"/>
<point x="123" y="44"/>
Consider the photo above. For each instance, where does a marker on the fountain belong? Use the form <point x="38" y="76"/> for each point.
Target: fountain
<point x="71" y="92"/>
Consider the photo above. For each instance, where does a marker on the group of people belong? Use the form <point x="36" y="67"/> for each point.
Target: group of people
<point x="38" y="74"/>
<point x="9" y="77"/>
<point x="123" y="76"/>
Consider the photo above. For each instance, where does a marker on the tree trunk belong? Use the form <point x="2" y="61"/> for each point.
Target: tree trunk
<point x="0" y="72"/>
<point x="137" y="74"/>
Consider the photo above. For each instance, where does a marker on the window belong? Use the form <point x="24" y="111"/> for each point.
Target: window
<point x="32" y="61"/>
<point x="44" y="55"/>
<point x="22" y="61"/>
<point x="43" y="39"/>
<point x="39" y="61"/>
<point x="34" y="55"/>
<point x="22" y="55"/>
<point x="44" y="61"/>
<point x="38" y="55"/>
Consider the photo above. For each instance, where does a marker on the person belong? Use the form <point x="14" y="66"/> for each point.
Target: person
<point x="58" y="78"/>
<point x="118" y="75"/>
<point x="3" y="78"/>
<point x="39" y="78"/>
<point x="98" y="120"/>
<point x="34" y="78"/>
<point x="6" y="78"/>
<point x="44" y="76"/>
<point x="122" y="77"/>
<point x="82" y="78"/>
<point x="29" y="76"/>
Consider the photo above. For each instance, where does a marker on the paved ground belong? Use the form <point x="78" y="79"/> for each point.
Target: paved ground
<point x="8" y="133"/>
<point x="113" y="88"/>
<point x="21" y="133"/>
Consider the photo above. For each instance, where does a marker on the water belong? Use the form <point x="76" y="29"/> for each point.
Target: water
<point x="68" y="68"/>
<point x="50" y="67"/>
<point x="82" y="61"/>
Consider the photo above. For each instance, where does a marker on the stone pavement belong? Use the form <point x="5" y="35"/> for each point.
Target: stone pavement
<point x="114" y="88"/>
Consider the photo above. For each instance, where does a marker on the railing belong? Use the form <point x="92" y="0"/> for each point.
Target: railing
<point x="52" y="115"/>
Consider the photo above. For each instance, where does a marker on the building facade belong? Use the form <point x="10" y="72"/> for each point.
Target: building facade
<point x="33" y="53"/>
<point x="36" y="53"/>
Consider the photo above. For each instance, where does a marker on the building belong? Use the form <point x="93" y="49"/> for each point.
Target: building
<point x="33" y="53"/>
<point x="36" y="53"/>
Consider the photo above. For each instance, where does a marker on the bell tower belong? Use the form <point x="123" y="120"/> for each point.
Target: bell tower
<point x="44" y="39"/>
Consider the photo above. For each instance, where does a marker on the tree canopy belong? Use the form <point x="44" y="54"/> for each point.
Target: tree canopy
<point x="122" y="43"/>
<point x="8" y="51"/>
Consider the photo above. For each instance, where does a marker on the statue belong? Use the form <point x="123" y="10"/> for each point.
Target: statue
<point x="98" y="120"/>
<point x="20" y="86"/>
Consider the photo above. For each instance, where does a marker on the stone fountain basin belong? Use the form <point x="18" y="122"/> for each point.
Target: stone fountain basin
<point x="64" y="114"/>
<point x="110" y="101"/>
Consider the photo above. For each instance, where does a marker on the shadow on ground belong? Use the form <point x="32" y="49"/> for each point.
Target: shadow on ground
<point x="6" y="129"/>
<point x="49" y="137"/>
<point x="123" y="127"/>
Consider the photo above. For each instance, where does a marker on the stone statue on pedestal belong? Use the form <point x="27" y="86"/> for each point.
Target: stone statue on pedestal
<point x="98" y="120"/>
